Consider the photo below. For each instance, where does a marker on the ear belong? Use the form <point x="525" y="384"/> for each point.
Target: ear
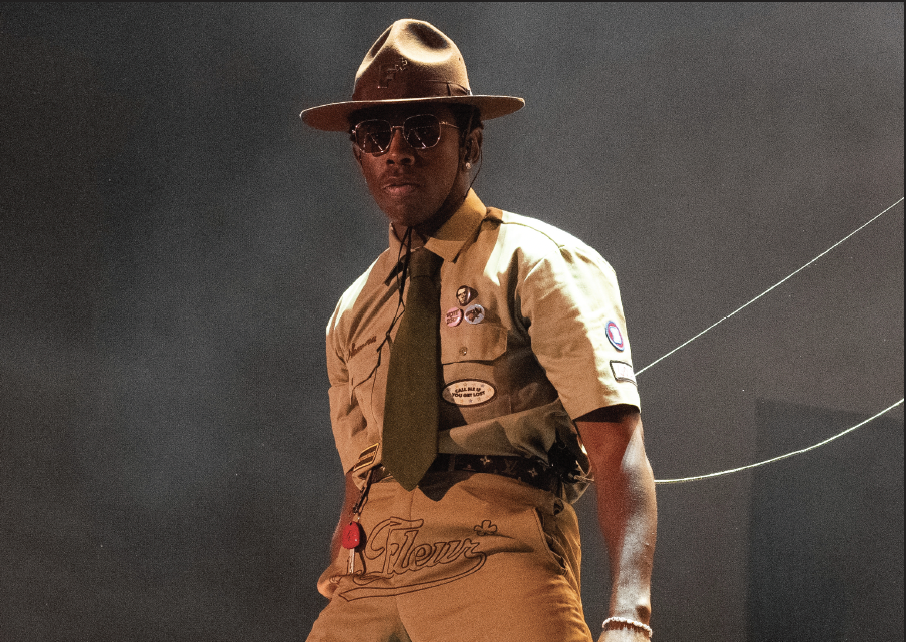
<point x="357" y="153"/>
<point x="472" y="147"/>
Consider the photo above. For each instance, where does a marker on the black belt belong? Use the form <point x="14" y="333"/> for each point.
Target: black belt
<point x="530" y="471"/>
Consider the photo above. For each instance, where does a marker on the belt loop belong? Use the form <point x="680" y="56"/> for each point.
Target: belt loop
<point x="451" y="465"/>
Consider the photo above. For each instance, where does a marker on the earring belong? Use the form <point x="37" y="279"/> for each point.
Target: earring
<point x="468" y="165"/>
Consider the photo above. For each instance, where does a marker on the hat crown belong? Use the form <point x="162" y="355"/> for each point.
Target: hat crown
<point x="412" y="59"/>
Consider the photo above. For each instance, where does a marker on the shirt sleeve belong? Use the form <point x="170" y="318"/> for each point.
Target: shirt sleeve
<point x="346" y="418"/>
<point x="570" y="302"/>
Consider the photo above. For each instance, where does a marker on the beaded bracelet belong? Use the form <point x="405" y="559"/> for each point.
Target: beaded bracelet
<point x="628" y="622"/>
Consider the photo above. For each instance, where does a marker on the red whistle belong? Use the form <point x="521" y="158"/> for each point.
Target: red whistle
<point x="352" y="535"/>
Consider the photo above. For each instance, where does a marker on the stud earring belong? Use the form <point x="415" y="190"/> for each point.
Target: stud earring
<point x="468" y="165"/>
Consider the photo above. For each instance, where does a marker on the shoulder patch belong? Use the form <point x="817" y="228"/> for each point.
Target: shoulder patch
<point x="615" y="336"/>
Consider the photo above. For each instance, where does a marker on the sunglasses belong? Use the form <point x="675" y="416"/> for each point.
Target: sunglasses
<point x="421" y="132"/>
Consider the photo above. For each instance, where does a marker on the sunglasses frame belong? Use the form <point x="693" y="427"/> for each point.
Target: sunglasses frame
<point x="354" y="133"/>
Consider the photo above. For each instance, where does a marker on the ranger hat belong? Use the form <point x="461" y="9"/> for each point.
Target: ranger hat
<point x="412" y="61"/>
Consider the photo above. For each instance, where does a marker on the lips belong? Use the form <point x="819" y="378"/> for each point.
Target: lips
<point x="400" y="186"/>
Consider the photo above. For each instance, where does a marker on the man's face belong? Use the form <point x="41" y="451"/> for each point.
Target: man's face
<point x="411" y="185"/>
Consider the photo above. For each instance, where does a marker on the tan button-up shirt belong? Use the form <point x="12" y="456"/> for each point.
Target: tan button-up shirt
<point x="532" y="334"/>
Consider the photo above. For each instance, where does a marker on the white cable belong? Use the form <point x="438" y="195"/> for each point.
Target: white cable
<point x="675" y="350"/>
<point x="768" y="461"/>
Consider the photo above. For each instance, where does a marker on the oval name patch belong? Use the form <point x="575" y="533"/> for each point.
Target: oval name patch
<point x="468" y="392"/>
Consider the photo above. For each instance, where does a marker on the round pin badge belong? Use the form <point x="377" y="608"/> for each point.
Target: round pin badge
<point x="465" y="295"/>
<point x="615" y="336"/>
<point x="453" y="317"/>
<point x="474" y="314"/>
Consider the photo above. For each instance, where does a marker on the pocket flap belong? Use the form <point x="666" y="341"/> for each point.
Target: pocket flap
<point x="483" y="342"/>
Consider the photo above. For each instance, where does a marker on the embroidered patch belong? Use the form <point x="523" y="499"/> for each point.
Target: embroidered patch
<point x="366" y="458"/>
<point x="615" y="336"/>
<point x="474" y="314"/>
<point x="622" y="371"/>
<point x="465" y="294"/>
<point x="453" y="317"/>
<point x="468" y="392"/>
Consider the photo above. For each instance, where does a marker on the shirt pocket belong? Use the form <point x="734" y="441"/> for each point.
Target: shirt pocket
<point x="473" y="389"/>
<point x="473" y="343"/>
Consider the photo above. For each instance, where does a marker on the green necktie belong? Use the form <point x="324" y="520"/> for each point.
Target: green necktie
<point x="414" y="377"/>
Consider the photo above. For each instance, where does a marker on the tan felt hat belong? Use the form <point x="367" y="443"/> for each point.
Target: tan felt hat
<point x="412" y="61"/>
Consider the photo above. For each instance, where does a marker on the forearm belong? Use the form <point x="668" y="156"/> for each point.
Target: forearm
<point x="627" y="514"/>
<point x="627" y="508"/>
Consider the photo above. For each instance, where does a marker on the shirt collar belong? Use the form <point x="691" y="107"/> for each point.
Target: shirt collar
<point x="448" y="241"/>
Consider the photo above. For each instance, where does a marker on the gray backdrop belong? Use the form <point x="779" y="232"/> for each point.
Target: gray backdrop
<point x="173" y="241"/>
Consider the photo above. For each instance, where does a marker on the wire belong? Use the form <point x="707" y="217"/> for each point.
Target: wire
<point x="700" y="334"/>
<point x="675" y="350"/>
<point x="769" y="461"/>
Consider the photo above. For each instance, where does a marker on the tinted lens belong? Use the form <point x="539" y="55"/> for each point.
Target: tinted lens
<point x="373" y="136"/>
<point x="422" y="131"/>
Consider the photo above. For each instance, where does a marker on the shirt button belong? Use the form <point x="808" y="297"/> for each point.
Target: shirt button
<point x="463" y="351"/>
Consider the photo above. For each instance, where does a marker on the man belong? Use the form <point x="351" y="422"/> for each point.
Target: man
<point x="472" y="367"/>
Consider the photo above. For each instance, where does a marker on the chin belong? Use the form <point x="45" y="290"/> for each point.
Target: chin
<point x="407" y="216"/>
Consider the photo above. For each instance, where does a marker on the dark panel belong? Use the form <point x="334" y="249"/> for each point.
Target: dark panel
<point x="827" y="529"/>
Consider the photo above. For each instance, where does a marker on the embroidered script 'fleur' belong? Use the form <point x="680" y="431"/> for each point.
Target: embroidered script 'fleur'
<point x="401" y="555"/>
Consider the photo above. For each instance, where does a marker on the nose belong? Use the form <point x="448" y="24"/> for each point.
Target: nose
<point x="400" y="151"/>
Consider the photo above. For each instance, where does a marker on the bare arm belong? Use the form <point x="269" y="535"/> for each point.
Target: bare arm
<point x="627" y="511"/>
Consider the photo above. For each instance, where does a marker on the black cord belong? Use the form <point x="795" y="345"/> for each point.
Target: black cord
<point x="401" y="275"/>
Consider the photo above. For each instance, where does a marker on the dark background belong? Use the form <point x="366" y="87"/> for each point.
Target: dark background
<point x="173" y="241"/>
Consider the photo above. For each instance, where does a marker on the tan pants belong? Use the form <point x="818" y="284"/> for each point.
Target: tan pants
<point x="464" y="557"/>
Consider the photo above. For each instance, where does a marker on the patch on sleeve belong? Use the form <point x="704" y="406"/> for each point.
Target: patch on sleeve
<point x="615" y="336"/>
<point x="622" y="371"/>
<point x="367" y="457"/>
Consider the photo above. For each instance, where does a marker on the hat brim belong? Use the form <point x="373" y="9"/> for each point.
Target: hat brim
<point x="335" y="116"/>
